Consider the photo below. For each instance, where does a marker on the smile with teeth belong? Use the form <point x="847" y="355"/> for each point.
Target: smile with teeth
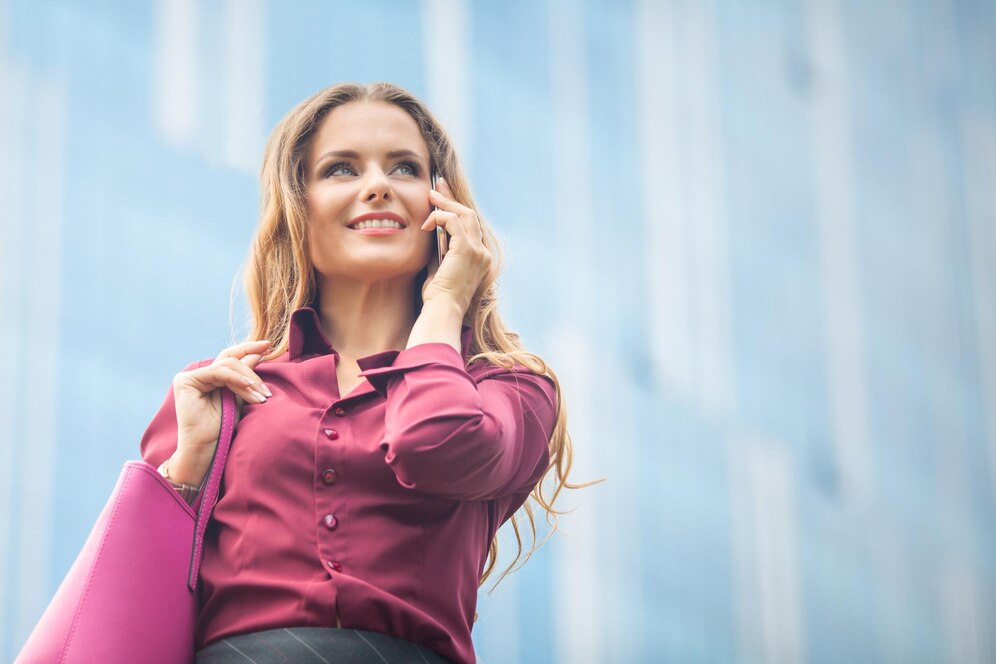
<point x="376" y="223"/>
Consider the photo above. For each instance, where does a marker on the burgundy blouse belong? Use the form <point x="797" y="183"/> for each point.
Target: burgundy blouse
<point x="381" y="503"/>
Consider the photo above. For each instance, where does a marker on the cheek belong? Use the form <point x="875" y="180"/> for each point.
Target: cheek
<point x="414" y="196"/>
<point x="317" y="248"/>
<point x="321" y="244"/>
<point x="311" y="199"/>
<point x="324" y="205"/>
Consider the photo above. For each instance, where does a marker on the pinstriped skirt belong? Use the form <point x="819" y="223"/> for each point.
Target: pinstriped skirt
<point x="315" y="645"/>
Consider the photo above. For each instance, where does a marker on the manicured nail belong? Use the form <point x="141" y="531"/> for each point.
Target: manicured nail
<point x="259" y="397"/>
<point x="266" y="390"/>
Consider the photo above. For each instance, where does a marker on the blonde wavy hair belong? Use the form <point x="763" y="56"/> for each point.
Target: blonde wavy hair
<point x="279" y="275"/>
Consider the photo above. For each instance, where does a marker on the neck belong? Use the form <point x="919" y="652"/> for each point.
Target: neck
<point x="361" y="319"/>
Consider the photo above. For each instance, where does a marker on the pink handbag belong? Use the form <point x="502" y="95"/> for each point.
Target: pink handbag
<point x="131" y="594"/>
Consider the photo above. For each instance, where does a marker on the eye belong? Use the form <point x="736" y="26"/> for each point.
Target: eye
<point x="336" y="166"/>
<point x="411" y="165"/>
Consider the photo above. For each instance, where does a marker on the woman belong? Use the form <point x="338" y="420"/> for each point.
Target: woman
<point x="389" y="422"/>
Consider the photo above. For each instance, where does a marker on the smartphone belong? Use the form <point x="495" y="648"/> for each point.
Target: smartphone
<point x="442" y="237"/>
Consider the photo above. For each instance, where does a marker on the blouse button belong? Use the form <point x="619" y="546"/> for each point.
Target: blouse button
<point x="334" y="564"/>
<point x="332" y="433"/>
<point x="330" y="521"/>
<point x="340" y="411"/>
<point x="329" y="476"/>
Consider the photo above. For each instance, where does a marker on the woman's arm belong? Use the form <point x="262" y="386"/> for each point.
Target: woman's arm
<point x="159" y="444"/>
<point x="440" y="322"/>
<point x="460" y="436"/>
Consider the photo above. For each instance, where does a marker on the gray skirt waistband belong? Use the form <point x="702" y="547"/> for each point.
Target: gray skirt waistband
<point x="316" y="645"/>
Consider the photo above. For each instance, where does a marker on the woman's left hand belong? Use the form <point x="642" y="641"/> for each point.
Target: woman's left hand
<point x="466" y="261"/>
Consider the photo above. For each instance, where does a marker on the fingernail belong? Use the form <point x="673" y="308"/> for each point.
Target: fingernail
<point x="266" y="390"/>
<point x="259" y="397"/>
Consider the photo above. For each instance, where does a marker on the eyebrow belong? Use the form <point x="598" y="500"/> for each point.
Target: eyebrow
<point x="353" y="154"/>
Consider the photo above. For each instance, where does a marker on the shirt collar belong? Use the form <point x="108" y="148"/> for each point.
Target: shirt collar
<point x="308" y="338"/>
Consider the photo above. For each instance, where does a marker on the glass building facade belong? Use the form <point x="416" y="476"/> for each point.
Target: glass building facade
<point x="756" y="241"/>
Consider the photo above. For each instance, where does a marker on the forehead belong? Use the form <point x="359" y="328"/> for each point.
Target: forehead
<point x="368" y="127"/>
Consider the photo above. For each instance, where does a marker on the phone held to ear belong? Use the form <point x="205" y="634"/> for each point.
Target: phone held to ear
<point x="442" y="237"/>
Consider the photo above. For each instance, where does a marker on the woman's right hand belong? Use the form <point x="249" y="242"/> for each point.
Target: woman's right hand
<point x="198" y="406"/>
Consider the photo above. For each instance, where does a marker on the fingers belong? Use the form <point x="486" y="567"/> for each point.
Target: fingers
<point x="233" y="368"/>
<point x="241" y="380"/>
<point x="463" y="225"/>
<point x="456" y="218"/>
<point x="465" y="230"/>
<point x="441" y="198"/>
<point x="440" y="218"/>
<point x="228" y="373"/>
<point x="249" y="355"/>
<point x="243" y="349"/>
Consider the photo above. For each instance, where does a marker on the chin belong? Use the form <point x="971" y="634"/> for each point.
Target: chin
<point x="372" y="266"/>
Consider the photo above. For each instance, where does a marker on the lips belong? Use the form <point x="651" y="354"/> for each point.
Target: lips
<point x="378" y="215"/>
<point x="377" y="231"/>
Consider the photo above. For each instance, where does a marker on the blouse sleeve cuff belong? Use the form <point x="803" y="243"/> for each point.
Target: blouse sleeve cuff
<point x="381" y="367"/>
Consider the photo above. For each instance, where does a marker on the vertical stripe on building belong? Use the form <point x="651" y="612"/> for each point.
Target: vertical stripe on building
<point x="664" y="223"/>
<point x="245" y="84"/>
<point x="174" y="93"/>
<point x="43" y="277"/>
<point x="13" y="183"/>
<point x="445" y="33"/>
<point x="40" y="277"/>
<point x="706" y="210"/>
<point x="933" y="209"/>
<point x="766" y="576"/>
<point x="967" y="627"/>
<point x="978" y="147"/>
<point x="839" y="269"/>
<point x="683" y="189"/>
<point x="578" y="627"/>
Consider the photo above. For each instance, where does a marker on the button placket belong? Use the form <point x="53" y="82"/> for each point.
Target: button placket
<point x="331" y="476"/>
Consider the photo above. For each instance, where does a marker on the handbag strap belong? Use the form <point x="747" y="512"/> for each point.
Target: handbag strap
<point x="213" y="484"/>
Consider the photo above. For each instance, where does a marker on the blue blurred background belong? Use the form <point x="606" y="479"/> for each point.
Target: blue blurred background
<point x="756" y="240"/>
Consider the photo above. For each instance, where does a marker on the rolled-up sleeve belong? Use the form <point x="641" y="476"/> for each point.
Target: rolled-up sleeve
<point x="457" y="435"/>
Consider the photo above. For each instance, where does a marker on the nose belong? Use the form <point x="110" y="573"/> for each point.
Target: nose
<point x="376" y="186"/>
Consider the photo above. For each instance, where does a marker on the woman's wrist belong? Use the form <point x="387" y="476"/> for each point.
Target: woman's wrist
<point x="439" y="322"/>
<point x="181" y="476"/>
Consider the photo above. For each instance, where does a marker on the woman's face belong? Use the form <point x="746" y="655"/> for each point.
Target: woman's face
<point x="368" y="157"/>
